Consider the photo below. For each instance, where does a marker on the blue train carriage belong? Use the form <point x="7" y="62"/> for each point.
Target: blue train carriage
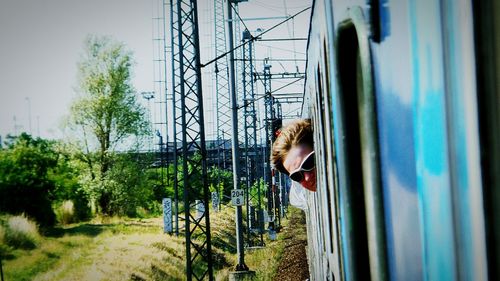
<point x="404" y="98"/>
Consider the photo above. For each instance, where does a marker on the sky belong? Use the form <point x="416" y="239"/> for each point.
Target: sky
<point x="42" y="41"/>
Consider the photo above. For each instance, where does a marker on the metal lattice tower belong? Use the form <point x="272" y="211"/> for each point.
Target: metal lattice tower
<point x="160" y="93"/>
<point x="238" y="69"/>
<point x="223" y="114"/>
<point x="278" y="187"/>
<point x="240" y="90"/>
<point x="189" y="119"/>
<point x="176" y="107"/>
<point x="269" y="116"/>
<point x="250" y="151"/>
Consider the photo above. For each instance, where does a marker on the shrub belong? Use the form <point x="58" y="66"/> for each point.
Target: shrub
<point x="21" y="233"/>
<point x="66" y="212"/>
<point x="3" y="246"/>
<point x="24" y="184"/>
<point x="81" y="206"/>
<point x="140" y="212"/>
<point x="2" y="235"/>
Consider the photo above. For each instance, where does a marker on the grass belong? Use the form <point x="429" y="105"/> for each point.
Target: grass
<point x="66" y="212"/>
<point x="25" y="264"/>
<point x="66" y="249"/>
<point x="132" y="249"/>
<point x="264" y="261"/>
<point x="20" y="232"/>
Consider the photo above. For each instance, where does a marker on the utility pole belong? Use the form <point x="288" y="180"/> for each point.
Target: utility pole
<point x="148" y="96"/>
<point x="223" y="112"/>
<point x="250" y="133"/>
<point x="160" y="144"/>
<point x="29" y="113"/>
<point x="188" y="95"/>
<point x="177" y="139"/>
<point x="15" y="125"/>
<point x="268" y="174"/>
<point x="240" y="266"/>
<point x="38" y="125"/>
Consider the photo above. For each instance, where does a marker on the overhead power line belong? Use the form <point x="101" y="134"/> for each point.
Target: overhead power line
<point x="253" y="38"/>
<point x="283" y="39"/>
<point x="270" y="93"/>
<point x="238" y="15"/>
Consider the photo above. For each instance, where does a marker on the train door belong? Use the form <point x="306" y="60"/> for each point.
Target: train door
<point x="446" y="137"/>
<point x="487" y="45"/>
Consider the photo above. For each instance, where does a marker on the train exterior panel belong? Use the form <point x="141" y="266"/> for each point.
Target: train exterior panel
<point x="392" y="89"/>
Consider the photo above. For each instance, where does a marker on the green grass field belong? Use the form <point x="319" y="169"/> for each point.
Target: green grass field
<point x="131" y="249"/>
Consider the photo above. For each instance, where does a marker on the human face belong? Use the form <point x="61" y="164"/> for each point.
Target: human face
<point x="293" y="162"/>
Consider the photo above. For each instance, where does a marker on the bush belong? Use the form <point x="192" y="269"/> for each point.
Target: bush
<point x="2" y="235"/>
<point x="81" y="206"/>
<point x="24" y="184"/>
<point x="21" y="233"/>
<point x="3" y="246"/>
<point x="141" y="213"/>
<point x="66" y="212"/>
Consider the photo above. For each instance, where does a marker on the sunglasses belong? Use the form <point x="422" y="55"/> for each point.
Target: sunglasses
<point x="307" y="165"/>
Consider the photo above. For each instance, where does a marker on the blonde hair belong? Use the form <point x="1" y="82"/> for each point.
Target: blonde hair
<point x="295" y="133"/>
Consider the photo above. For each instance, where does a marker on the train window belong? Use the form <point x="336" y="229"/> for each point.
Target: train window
<point x="352" y="195"/>
<point x="321" y="104"/>
<point x="333" y="203"/>
<point x="323" y="93"/>
<point x="361" y="196"/>
<point x="325" y="228"/>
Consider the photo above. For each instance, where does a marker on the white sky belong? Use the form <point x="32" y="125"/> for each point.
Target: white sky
<point x="41" y="43"/>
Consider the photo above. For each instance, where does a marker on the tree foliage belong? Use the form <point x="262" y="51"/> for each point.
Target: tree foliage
<point x="221" y="181"/>
<point x="106" y="116"/>
<point x="35" y="175"/>
<point x="25" y="185"/>
<point x="67" y="186"/>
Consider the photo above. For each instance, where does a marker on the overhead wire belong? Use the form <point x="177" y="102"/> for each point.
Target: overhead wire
<point x="253" y="38"/>
<point x="269" y="94"/>
<point x="281" y="49"/>
<point x="238" y="15"/>
<point x="262" y="4"/>
<point x="276" y="9"/>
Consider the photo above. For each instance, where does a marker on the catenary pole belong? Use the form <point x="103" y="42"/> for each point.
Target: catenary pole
<point x="234" y="143"/>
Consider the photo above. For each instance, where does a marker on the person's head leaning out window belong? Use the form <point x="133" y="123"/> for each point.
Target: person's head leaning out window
<point x="293" y="153"/>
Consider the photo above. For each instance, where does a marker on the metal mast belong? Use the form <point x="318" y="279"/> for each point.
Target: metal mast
<point x="160" y="94"/>
<point x="176" y="106"/>
<point x="241" y="266"/>
<point x="239" y="88"/>
<point x="269" y="116"/>
<point x="238" y="69"/>
<point x="188" y="93"/>
<point x="251" y="150"/>
<point x="223" y="114"/>
<point x="278" y="187"/>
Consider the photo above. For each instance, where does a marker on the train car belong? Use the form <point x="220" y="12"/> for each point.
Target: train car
<point x="404" y="98"/>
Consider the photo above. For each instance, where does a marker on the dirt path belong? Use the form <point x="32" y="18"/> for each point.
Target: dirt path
<point x="293" y="264"/>
<point x="111" y="256"/>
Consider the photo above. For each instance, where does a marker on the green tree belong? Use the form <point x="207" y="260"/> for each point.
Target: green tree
<point x="65" y="176"/>
<point x="106" y="115"/>
<point x="36" y="175"/>
<point x="221" y="181"/>
<point x="25" y="185"/>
